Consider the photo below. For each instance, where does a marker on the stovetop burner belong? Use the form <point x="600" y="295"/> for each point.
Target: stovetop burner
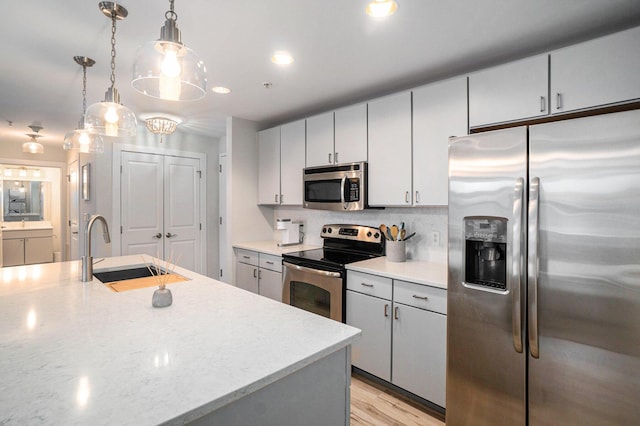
<point x="343" y="244"/>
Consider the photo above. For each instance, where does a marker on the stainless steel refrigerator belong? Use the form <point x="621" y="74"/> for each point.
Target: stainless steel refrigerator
<point x="543" y="320"/>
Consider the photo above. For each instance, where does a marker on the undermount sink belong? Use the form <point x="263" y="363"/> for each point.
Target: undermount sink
<point x="133" y="277"/>
<point x="111" y="275"/>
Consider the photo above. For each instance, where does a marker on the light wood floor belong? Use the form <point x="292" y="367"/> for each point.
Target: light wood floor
<point x="372" y="404"/>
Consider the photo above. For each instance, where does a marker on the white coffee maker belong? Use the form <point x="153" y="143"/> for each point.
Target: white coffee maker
<point x="288" y="232"/>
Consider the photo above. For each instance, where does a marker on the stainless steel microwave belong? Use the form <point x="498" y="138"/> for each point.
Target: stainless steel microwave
<point x="341" y="187"/>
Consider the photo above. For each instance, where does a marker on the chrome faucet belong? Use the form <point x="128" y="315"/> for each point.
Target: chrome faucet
<point x="87" y="259"/>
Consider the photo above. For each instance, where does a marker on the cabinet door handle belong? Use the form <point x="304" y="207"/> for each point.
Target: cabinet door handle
<point x="543" y="105"/>
<point x="255" y="273"/>
<point x="170" y="235"/>
<point x="259" y="274"/>
<point x="415" y="296"/>
<point x="268" y="262"/>
<point x="395" y="312"/>
<point x="367" y="285"/>
<point x="386" y="310"/>
<point x="417" y="197"/>
<point x="558" y="100"/>
<point x="336" y="157"/>
<point x="246" y="257"/>
<point x="406" y="197"/>
<point x="158" y="235"/>
<point x="276" y="198"/>
<point x="329" y="158"/>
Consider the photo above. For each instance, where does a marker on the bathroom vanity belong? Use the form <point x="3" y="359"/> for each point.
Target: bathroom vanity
<point x="26" y="243"/>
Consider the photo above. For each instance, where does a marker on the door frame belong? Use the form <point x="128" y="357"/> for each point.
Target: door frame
<point x="118" y="148"/>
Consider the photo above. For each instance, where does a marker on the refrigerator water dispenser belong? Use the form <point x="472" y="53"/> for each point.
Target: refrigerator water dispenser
<point x="486" y="252"/>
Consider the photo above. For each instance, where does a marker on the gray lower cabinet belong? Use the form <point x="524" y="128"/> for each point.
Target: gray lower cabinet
<point x="404" y="327"/>
<point x="27" y="247"/>
<point x="259" y="273"/>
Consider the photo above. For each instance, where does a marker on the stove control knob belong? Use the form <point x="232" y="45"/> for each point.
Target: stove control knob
<point x="369" y="234"/>
<point x="324" y="230"/>
<point x="329" y="230"/>
<point x="376" y="235"/>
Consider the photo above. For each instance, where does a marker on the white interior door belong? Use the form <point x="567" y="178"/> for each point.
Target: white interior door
<point x="160" y="203"/>
<point x="182" y="212"/>
<point x="142" y="196"/>
<point x="73" y="199"/>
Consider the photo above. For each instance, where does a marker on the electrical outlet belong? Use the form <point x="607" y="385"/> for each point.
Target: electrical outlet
<point x="435" y="238"/>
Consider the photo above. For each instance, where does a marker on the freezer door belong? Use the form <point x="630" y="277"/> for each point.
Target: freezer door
<point x="584" y="312"/>
<point x="485" y="371"/>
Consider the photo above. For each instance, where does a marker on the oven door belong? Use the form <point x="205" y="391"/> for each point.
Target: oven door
<point x="314" y="290"/>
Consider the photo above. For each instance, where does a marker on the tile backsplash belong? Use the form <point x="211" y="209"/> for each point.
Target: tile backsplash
<point x="429" y="223"/>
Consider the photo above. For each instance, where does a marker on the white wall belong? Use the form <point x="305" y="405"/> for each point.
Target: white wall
<point x="423" y="220"/>
<point x="246" y="221"/>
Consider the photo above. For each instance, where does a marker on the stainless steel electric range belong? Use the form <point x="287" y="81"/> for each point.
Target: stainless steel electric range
<point x="315" y="280"/>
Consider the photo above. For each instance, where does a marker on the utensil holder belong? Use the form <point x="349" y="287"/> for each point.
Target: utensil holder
<point x="396" y="251"/>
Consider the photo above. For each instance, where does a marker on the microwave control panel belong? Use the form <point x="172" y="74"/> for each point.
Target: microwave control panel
<point x="353" y="189"/>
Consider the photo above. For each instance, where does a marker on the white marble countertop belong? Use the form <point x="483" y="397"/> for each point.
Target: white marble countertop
<point x="78" y="353"/>
<point x="271" y="247"/>
<point x="416" y="271"/>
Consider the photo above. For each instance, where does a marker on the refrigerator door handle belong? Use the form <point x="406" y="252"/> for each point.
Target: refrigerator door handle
<point x="532" y="267"/>
<point x="516" y="266"/>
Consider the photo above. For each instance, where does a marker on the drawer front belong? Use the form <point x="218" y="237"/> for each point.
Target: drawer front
<point x="373" y="285"/>
<point x="271" y="262"/>
<point x="247" y="256"/>
<point x="420" y="296"/>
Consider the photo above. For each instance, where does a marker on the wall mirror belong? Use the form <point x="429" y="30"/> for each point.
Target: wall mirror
<point x="23" y="200"/>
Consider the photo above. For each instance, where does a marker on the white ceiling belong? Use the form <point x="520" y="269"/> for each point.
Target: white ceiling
<point x="341" y="55"/>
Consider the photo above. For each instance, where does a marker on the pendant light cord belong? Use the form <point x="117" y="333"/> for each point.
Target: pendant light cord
<point x="84" y="90"/>
<point x="113" y="49"/>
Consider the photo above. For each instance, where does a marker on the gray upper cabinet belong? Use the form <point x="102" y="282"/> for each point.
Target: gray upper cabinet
<point x="292" y="149"/>
<point x="514" y="91"/>
<point x="597" y="72"/>
<point x="439" y="112"/>
<point x="320" y="140"/>
<point x="269" y="166"/>
<point x="350" y="134"/>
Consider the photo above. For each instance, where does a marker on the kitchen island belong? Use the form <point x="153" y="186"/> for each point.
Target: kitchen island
<point x="79" y="353"/>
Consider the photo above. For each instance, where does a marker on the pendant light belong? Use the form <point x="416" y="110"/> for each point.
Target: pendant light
<point x="81" y="139"/>
<point x="381" y="8"/>
<point x="33" y="146"/>
<point x="167" y="69"/>
<point x="110" y="117"/>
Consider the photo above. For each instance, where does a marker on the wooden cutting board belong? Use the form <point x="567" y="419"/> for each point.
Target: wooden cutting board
<point x="133" y="284"/>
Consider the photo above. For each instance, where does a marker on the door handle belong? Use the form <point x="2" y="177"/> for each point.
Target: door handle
<point x="312" y="271"/>
<point x="516" y="267"/>
<point x="395" y="313"/>
<point x="386" y="309"/>
<point x="532" y="267"/>
<point x="330" y="158"/>
<point x="170" y="235"/>
<point x="158" y="235"/>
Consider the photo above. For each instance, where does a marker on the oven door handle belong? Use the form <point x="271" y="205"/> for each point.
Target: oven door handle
<point x="313" y="271"/>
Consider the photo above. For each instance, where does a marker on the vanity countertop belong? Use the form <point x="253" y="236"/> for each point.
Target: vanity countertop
<point x="78" y="353"/>
<point x="25" y="226"/>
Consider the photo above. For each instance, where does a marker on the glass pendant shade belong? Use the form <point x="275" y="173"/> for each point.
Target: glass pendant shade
<point x="169" y="71"/>
<point x="110" y="118"/>
<point x="83" y="141"/>
<point x="33" y="147"/>
<point x="166" y="68"/>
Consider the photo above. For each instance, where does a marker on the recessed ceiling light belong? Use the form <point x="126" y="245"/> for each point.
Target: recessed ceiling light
<point x="381" y="8"/>
<point x="282" y="58"/>
<point x="221" y="90"/>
